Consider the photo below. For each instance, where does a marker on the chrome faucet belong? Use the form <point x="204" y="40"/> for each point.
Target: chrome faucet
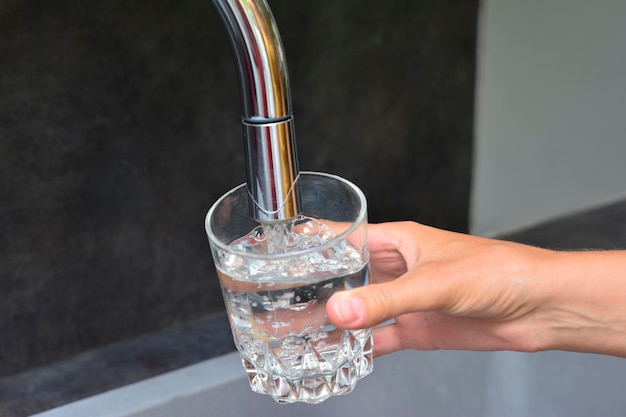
<point x="268" y="128"/>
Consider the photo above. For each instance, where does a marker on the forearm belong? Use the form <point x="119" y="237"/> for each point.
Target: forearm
<point x="585" y="308"/>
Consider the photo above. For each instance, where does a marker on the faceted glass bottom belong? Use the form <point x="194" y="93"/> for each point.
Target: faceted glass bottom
<point x="320" y="375"/>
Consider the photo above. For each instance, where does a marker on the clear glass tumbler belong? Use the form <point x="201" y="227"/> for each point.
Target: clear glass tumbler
<point x="276" y="279"/>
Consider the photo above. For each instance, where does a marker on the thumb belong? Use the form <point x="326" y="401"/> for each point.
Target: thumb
<point x="373" y="304"/>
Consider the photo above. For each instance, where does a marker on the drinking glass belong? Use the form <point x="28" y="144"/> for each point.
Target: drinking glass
<point x="276" y="279"/>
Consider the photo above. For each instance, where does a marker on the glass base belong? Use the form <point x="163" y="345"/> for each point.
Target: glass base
<point x="316" y="383"/>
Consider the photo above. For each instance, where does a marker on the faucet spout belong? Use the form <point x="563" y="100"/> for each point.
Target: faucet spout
<point x="268" y="128"/>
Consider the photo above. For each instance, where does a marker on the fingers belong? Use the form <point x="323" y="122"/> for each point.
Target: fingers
<point x="386" y="340"/>
<point x="363" y="307"/>
<point x="373" y="304"/>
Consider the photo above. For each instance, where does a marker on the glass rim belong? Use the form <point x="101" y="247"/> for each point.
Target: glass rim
<point x="213" y="240"/>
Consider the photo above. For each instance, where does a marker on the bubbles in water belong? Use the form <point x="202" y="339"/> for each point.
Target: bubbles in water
<point x="298" y="307"/>
<point x="300" y="233"/>
<point x="257" y="234"/>
<point x="286" y="237"/>
<point x="279" y="324"/>
<point x="277" y="236"/>
<point x="310" y="227"/>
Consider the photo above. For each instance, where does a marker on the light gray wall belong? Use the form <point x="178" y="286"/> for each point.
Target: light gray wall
<point x="550" y="111"/>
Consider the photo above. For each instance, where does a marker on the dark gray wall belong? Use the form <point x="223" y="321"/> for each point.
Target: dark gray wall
<point x="119" y="126"/>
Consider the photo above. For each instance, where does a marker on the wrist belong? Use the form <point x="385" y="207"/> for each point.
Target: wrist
<point x="584" y="309"/>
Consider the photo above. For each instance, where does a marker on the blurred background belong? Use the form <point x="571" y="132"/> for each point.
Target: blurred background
<point x="120" y="126"/>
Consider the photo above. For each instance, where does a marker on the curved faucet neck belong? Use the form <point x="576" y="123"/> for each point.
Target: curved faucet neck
<point x="269" y="134"/>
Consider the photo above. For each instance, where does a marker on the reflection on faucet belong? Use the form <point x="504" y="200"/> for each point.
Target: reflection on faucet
<point x="269" y="138"/>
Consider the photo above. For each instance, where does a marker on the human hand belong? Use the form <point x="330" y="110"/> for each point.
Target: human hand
<point x="454" y="291"/>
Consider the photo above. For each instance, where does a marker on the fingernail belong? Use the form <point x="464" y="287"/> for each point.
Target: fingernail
<point x="349" y="309"/>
